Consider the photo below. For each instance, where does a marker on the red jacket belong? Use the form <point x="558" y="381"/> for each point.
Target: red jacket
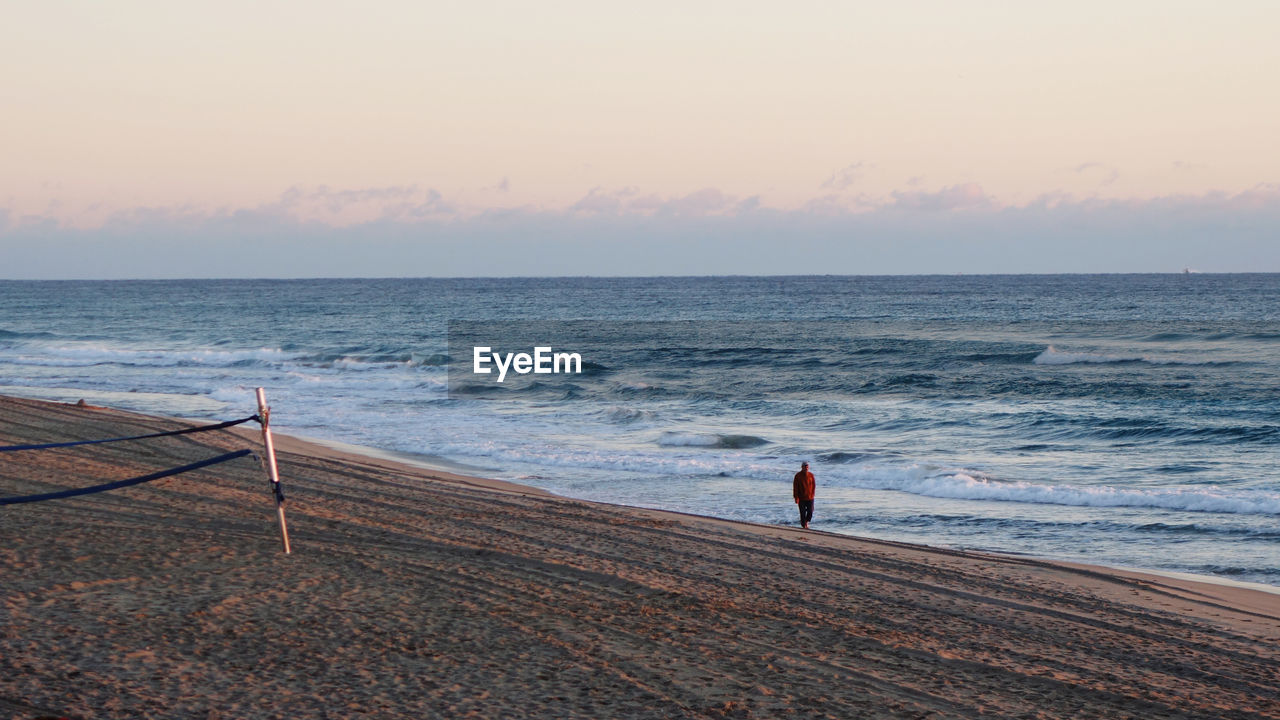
<point x="803" y="486"/>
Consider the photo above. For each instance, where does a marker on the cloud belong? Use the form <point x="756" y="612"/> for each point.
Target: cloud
<point x="503" y="185"/>
<point x="316" y="207"/>
<point x="359" y="205"/>
<point x="1108" y="173"/>
<point x="967" y="196"/>
<point x="629" y="201"/>
<point x="647" y="204"/>
<point x="601" y="201"/>
<point x="747" y="205"/>
<point x="959" y="228"/>
<point x="335" y="201"/>
<point x="707" y="201"/>
<point x="842" y="204"/>
<point x="354" y="211"/>
<point x="430" y="204"/>
<point x="843" y="178"/>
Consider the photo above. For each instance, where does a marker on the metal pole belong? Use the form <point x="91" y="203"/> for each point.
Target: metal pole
<point x="264" y="417"/>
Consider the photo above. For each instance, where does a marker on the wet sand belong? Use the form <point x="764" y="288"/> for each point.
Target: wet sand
<point x="416" y="593"/>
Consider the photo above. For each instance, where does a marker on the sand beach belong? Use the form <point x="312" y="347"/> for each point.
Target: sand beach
<point x="417" y="593"/>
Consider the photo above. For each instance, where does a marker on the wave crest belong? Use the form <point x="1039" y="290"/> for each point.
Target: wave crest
<point x="710" y="440"/>
<point x="1053" y="356"/>
<point x="967" y="485"/>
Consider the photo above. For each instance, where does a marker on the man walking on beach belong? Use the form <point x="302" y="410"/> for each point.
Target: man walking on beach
<point x="802" y="489"/>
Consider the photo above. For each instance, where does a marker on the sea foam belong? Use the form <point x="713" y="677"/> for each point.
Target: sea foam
<point x="959" y="484"/>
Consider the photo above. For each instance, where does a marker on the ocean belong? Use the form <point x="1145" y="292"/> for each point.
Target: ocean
<point x="1126" y="420"/>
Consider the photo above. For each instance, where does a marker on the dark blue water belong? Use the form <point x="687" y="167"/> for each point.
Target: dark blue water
<point x="1128" y="420"/>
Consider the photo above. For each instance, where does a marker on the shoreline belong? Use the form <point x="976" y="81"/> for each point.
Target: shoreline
<point x="415" y="591"/>
<point x="985" y="516"/>
<point x="460" y="472"/>
<point x="434" y="463"/>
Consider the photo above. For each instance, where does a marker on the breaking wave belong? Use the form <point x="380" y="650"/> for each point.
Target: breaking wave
<point x="710" y="440"/>
<point x="1053" y="356"/>
<point x="967" y="485"/>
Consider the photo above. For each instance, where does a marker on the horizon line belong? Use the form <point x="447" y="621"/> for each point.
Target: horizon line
<point x="643" y="277"/>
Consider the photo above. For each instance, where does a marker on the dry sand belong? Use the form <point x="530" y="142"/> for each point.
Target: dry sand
<point x="414" y="593"/>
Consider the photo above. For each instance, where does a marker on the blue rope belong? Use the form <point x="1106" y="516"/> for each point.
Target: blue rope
<point x="202" y="428"/>
<point x="124" y="483"/>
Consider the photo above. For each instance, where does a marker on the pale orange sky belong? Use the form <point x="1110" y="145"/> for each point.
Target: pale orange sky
<point x="111" y="106"/>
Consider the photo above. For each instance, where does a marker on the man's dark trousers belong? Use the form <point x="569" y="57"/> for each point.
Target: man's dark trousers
<point x="806" y="511"/>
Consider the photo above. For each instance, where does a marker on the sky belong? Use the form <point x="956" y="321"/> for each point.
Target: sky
<point x="291" y="139"/>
